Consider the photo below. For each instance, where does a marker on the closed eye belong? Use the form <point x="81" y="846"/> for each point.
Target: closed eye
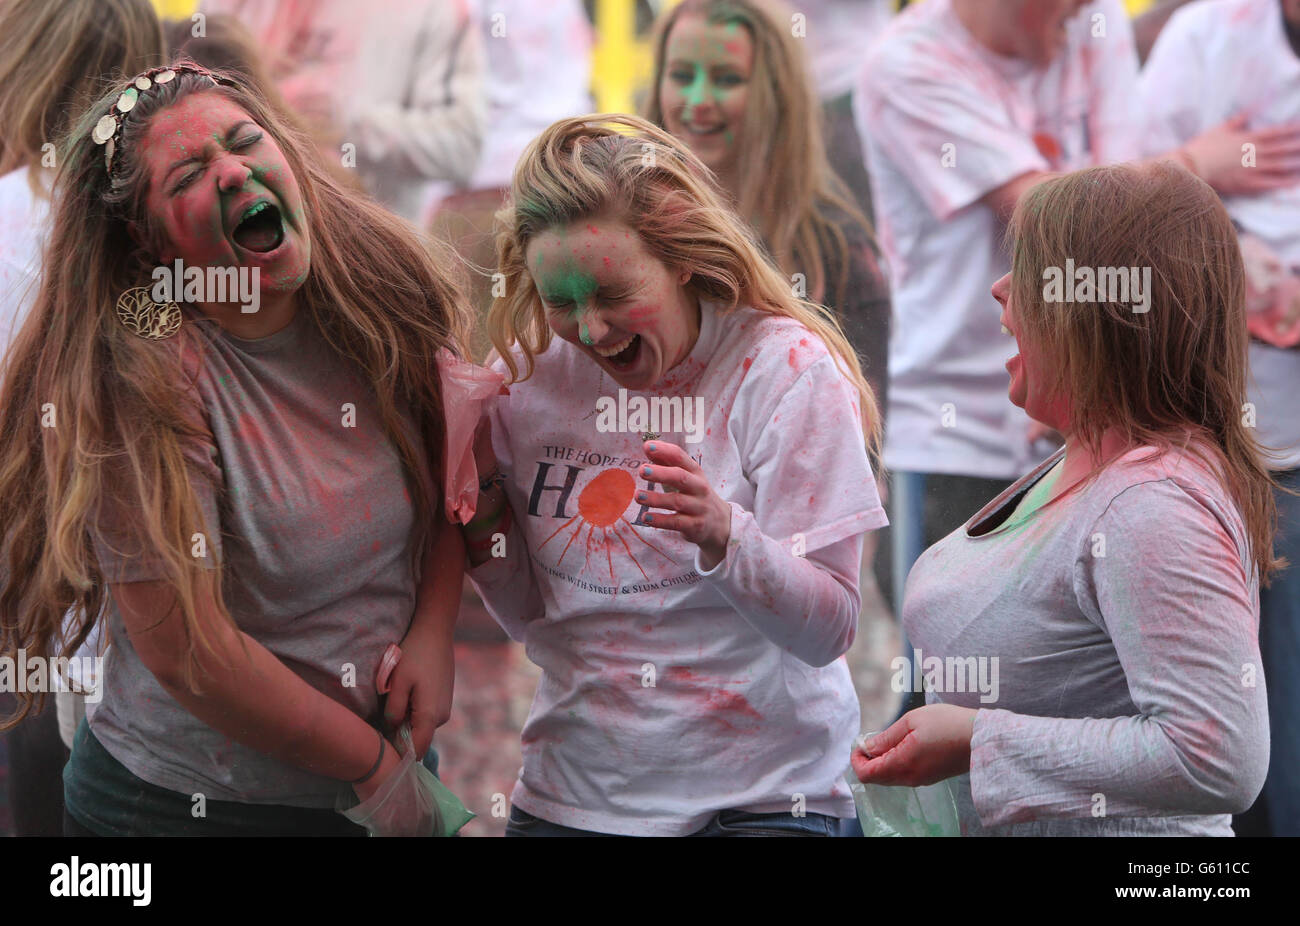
<point x="186" y="179"/>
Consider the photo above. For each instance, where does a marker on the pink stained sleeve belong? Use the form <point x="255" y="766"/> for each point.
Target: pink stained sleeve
<point x="952" y="140"/>
<point x="1175" y="598"/>
<point x="467" y="391"/>
<point x="807" y="605"/>
<point x="508" y="587"/>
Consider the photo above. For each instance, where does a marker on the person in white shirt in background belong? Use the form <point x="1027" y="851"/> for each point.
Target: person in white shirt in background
<point x="402" y="84"/>
<point x="688" y="586"/>
<point x="1240" y="60"/>
<point x="52" y="61"/>
<point x="538" y="58"/>
<point x="965" y="104"/>
<point x="838" y="31"/>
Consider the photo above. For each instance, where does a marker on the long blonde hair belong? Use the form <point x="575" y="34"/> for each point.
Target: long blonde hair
<point x="123" y="403"/>
<point x="787" y="188"/>
<point x="58" y="55"/>
<point x="1173" y="376"/>
<point x="624" y="167"/>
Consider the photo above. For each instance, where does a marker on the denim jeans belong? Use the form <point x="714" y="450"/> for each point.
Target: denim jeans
<point x="724" y="823"/>
<point x="1279" y="643"/>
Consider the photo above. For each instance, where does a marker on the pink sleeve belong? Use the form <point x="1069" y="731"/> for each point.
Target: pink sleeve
<point x="466" y="391"/>
<point x="952" y="139"/>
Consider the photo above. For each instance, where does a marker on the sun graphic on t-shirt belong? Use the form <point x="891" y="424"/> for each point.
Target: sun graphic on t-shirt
<point x="601" y="505"/>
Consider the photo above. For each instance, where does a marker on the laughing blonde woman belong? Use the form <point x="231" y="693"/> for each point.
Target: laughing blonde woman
<point x="688" y="594"/>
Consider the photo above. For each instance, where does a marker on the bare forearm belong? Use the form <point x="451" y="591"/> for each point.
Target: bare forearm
<point x="442" y="576"/>
<point x="253" y="698"/>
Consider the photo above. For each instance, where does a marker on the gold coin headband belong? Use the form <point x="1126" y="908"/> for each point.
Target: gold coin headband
<point x="109" y="126"/>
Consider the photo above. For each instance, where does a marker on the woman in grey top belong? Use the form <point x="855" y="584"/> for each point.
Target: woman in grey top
<point x="1089" y="639"/>
<point x="247" y="479"/>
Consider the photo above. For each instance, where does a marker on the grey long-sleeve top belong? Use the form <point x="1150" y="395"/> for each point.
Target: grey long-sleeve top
<point x="1110" y="642"/>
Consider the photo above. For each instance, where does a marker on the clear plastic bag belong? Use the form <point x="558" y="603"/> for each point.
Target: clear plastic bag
<point x="885" y="810"/>
<point x="896" y="810"/>
<point x="412" y="802"/>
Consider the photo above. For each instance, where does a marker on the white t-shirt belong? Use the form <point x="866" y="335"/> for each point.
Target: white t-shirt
<point x="538" y="72"/>
<point x="23" y="217"/>
<point x="947" y="121"/>
<point x="669" y="693"/>
<point x="1214" y="61"/>
<point x="838" y="31"/>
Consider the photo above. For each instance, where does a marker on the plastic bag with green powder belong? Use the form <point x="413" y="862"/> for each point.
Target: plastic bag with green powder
<point x="886" y="810"/>
<point x="411" y="802"/>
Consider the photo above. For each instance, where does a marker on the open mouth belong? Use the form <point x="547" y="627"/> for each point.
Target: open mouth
<point x="622" y="355"/>
<point x="261" y="229"/>
<point x="705" y="130"/>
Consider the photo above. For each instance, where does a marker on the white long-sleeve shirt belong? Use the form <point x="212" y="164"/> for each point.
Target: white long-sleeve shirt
<point x="1123" y="624"/>
<point x="669" y="692"/>
<point x="402" y="80"/>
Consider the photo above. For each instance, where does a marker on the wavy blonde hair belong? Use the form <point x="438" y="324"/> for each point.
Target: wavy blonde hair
<point x="1173" y="376"/>
<point x="626" y="168"/>
<point x="125" y="405"/>
<point x="786" y="184"/>
<point x="55" y="57"/>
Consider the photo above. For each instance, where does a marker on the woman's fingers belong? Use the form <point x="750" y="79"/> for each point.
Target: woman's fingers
<point x="665" y="454"/>
<point x="672" y="501"/>
<point x="675" y="479"/>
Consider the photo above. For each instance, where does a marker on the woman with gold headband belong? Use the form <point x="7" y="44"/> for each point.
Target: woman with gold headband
<point x="254" y="496"/>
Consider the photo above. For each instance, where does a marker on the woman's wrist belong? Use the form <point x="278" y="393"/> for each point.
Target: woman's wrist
<point x="482" y="536"/>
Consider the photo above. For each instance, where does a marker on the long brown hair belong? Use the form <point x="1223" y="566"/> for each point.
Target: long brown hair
<point x="122" y="403"/>
<point x="1173" y="376"/>
<point x="622" y="166"/>
<point x="55" y="57"/>
<point x="787" y="188"/>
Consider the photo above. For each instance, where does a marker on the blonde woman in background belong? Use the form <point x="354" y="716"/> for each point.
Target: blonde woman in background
<point x="732" y="83"/>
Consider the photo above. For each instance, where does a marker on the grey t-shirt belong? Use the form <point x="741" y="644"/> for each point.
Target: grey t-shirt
<point x="1122" y="621"/>
<point x="313" y="520"/>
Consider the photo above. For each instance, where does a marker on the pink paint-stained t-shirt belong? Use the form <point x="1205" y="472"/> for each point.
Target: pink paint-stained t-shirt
<point x="668" y="692"/>
<point x="1116" y="628"/>
<point x="304" y="499"/>
<point x="946" y="121"/>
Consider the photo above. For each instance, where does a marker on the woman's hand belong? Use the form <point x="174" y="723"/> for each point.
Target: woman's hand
<point x="701" y="516"/>
<point x="1216" y="157"/>
<point x="421" y="686"/>
<point x="922" y="747"/>
<point x="387" y="766"/>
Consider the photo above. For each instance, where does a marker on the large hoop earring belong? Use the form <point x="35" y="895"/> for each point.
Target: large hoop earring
<point x="154" y="321"/>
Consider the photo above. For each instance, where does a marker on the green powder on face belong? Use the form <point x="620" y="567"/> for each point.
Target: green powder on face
<point x="698" y="87"/>
<point x="569" y="285"/>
